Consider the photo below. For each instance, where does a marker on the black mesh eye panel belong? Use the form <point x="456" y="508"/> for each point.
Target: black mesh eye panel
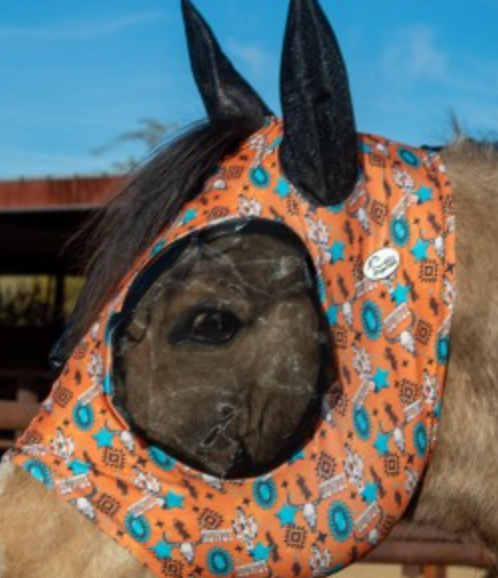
<point x="241" y="465"/>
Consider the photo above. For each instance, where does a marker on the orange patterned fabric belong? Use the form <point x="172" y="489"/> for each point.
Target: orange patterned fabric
<point x="385" y="266"/>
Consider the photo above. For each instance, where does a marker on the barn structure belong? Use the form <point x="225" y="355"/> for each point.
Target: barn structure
<point x="37" y="218"/>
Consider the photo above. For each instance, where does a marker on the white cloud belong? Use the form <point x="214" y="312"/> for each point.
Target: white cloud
<point x="475" y="76"/>
<point x="255" y="57"/>
<point x="414" y="54"/>
<point x="81" y="32"/>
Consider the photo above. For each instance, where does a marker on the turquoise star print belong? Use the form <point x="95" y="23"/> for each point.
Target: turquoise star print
<point x="382" y="444"/>
<point x="369" y="494"/>
<point x="332" y="314"/>
<point x="163" y="550"/>
<point x="104" y="438"/>
<point x="425" y="194"/>
<point x="337" y="251"/>
<point x="401" y="293"/>
<point x="261" y="553"/>
<point x="420" y="250"/>
<point x="298" y="456"/>
<point x="79" y="468"/>
<point x="287" y="514"/>
<point x="189" y="216"/>
<point x="172" y="500"/>
<point x="283" y="188"/>
<point x="381" y="379"/>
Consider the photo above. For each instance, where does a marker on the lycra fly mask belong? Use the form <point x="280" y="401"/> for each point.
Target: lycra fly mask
<point x="383" y="263"/>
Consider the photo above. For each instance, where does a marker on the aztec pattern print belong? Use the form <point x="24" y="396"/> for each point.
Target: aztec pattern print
<point x="338" y="497"/>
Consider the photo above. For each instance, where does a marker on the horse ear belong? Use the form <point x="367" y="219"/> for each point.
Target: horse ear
<point x="319" y="153"/>
<point x="225" y="93"/>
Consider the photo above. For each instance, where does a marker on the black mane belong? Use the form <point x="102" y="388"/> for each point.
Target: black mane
<point x="150" y="201"/>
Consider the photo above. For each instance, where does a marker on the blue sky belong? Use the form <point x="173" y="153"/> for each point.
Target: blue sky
<point x="74" y="75"/>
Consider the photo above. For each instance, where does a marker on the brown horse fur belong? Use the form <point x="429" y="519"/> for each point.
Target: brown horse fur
<point x="41" y="537"/>
<point x="458" y="494"/>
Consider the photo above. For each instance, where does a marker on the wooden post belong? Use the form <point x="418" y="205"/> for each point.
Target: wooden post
<point x="411" y="571"/>
<point x="434" y="571"/>
<point x="17" y="416"/>
<point x="26" y="395"/>
<point x="60" y="299"/>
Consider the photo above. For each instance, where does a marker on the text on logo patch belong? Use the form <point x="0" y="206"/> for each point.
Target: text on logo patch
<point x="382" y="264"/>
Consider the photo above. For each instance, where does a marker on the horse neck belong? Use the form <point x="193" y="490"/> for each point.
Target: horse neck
<point x="458" y="494"/>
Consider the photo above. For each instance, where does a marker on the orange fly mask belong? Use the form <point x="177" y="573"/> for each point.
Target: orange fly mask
<point x="377" y="220"/>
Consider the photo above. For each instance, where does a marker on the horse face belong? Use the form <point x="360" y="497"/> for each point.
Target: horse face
<point x="222" y="360"/>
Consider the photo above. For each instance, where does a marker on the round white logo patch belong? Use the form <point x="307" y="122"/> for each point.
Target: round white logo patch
<point x="382" y="264"/>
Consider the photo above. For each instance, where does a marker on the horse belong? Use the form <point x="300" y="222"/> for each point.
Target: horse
<point x="236" y="317"/>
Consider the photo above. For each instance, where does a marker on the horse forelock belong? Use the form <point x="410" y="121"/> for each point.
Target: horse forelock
<point x="149" y="201"/>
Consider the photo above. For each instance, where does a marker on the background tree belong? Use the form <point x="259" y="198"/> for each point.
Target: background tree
<point x="149" y="134"/>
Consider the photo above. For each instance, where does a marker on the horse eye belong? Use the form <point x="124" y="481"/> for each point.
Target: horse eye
<point x="210" y="327"/>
